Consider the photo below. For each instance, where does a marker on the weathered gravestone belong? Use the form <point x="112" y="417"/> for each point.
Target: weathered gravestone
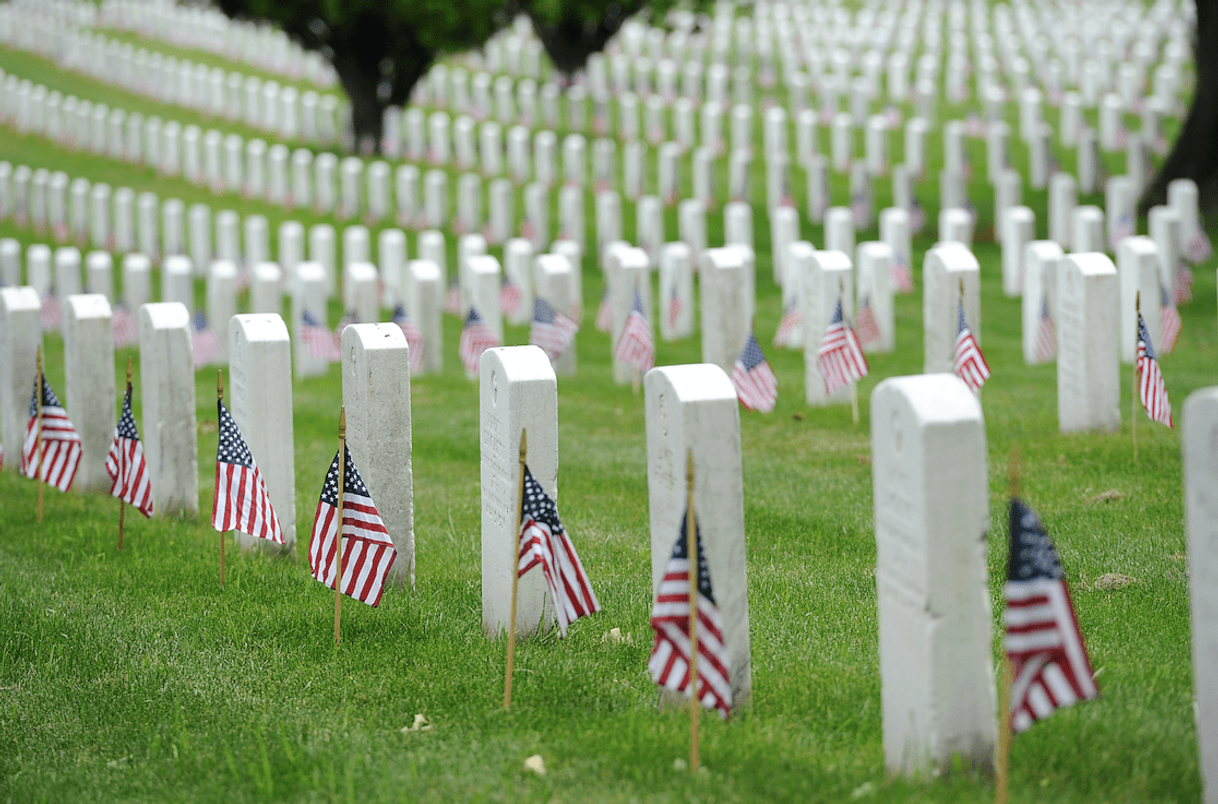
<point x="929" y="477"/>
<point x="627" y="272"/>
<point x="167" y="391"/>
<point x="825" y="278"/>
<point x="89" y="373"/>
<point x="260" y="400"/>
<point x="1138" y="266"/>
<point x="518" y="392"/>
<point x="20" y="338"/>
<point x="1040" y="261"/>
<point x="723" y="282"/>
<point x="694" y="407"/>
<point x="424" y="301"/>
<point x="376" y="393"/>
<point x="308" y="296"/>
<point x="1018" y="226"/>
<point x="946" y="269"/>
<point x="875" y="289"/>
<point x="1088" y="341"/>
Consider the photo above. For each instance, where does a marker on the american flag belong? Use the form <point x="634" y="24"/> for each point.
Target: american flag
<point x="901" y="274"/>
<point x="1198" y="249"/>
<point x="674" y="307"/>
<point x="509" y="297"/>
<point x="634" y="346"/>
<point x="126" y="465"/>
<point x="1046" y="335"/>
<point x="669" y="662"/>
<point x="860" y="207"/>
<point x="414" y="338"/>
<point x="1124" y="228"/>
<point x="868" y="329"/>
<point x="604" y="314"/>
<point x="318" y="338"/>
<point x="204" y="343"/>
<point x="1048" y="658"/>
<point x="59" y="444"/>
<point x="840" y="358"/>
<point x="476" y="338"/>
<point x="241" y="501"/>
<point x="1169" y="325"/>
<point x="347" y="320"/>
<point x="368" y="552"/>
<point x="917" y="216"/>
<point x="126" y="330"/>
<point x="791" y="319"/>
<point x="544" y="543"/>
<point x="970" y="363"/>
<point x="551" y="330"/>
<point x="452" y="299"/>
<point x="1151" y="388"/>
<point x="756" y="385"/>
<point x="1184" y="283"/>
<point x="52" y="315"/>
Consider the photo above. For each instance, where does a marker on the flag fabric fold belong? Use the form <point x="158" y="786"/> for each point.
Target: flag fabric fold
<point x="368" y="552"/>
<point x="635" y="346"/>
<point x="604" y="314"/>
<point x="1151" y="388"/>
<point x="204" y="343"/>
<point x="241" y="501"/>
<point x="59" y="444"/>
<point x="970" y="363"/>
<point x="510" y="297"/>
<point x="756" y="385"/>
<point x="126" y="465"/>
<point x="318" y="338"/>
<point x="1046" y="335"/>
<point x="669" y="661"/>
<point x="840" y="358"/>
<point x="865" y="325"/>
<point x="544" y="542"/>
<point x="414" y="338"/>
<point x="125" y="326"/>
<point x="476" y="338"/>
<point x="1169" y="325"/>
<point x="787" y="326"/>
<point x="1042" y="639"/>
<point x="551" y="330"/>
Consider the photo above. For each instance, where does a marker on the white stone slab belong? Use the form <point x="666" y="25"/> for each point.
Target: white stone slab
<point x="826" y="276"/>
<point x="1018" y="229"/>
<point x="1088" y="341"/>
<point x="221" y="301"/>
<point x="956" y="226"/>
<point x="875" y="285"/>
<point x="1087" y="230"/>
<point x="518" y="391"/>
<point x="555" y="284"/>
<point x="1138" y="266"/>
<point x="167" y="393"/>
<point x="1040" y="264"/>
<point x="943" y="270"/>
<point x="839" y="230"/>
<point x="931" y="492"/>
<point x="1062" y="200"/>
<point x="423" y="304"/>
<point x="20" y="338"/>
<point x="308" y="294"/>
<point x="723" y="285"/>
<point x="676" y="300"/>
<point x="627" y="271"/>
<point x="89" y="374"/>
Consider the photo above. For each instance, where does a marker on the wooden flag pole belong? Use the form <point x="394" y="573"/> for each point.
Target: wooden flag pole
<point x="122" y="504"/>
<point x="38" y="435"/>
<point x="691" y="550"/>
<point x="220" y="398"/>
<point x="515" y="565"/>
<point x="1133" y="405"/>
<point x="1003" y="765"/>
<point x="342" y="482"/>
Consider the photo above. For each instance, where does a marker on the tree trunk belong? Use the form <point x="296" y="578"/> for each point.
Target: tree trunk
<point x="1195" y="155"/>
<point x="572" y="40"/>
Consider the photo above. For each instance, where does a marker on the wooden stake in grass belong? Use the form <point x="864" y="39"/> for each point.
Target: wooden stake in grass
<point x="691" y="549"/>
<point x="342" y="482"/>
<point x="515" y="565"/>
<point x="220" y="398"/>
<point x="1003" y="764"/>
<point x="122" y="504"/>
<point x="1137" y="308"/>
<point x="38" y="435"/>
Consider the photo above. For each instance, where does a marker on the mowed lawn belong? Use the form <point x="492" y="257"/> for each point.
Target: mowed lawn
<point x="132" y="675"/>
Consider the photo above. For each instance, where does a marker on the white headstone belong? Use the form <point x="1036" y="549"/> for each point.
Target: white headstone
<point x="826" y="277"/>
<point x="1138" y="266"/>
<point x="1040" y="262"/>
<point x="1088" y="342"/>
<point x="1062" y="200"/>
<point x="20" y="339"/>
<point x="167" y="393"/>
<point x="627" y="272"/>
<point x="945" y="267"/>
<point x="266" y="279"/>
<point x="308" y="295"/>
<point x="724" y="287"/>
<point x="1018" y="229"/>
<point x="875" y="288"/>
<point x="424" y="301"/>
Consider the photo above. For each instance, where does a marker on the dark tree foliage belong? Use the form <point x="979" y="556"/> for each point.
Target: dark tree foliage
<point x="1195" y="153"/>
<point x="379" y="48"/>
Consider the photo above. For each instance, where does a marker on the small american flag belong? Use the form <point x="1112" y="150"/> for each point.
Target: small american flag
<point x="476" y="338"/>
<point x="901" y="275"/>
<point x="1043" y="643"/>
<point x="669" y="662"/>
<point x="52" y="315"/>
<point x="1046" y="335"/>
<point x="634" y="346"/>
<point x="318" y="338"/>
<point x="840" y="358"/>
<point x="551" y="330"/>
<point x="509" y="297"/>
<point x="241" y="501"/>
<point x="59" y="444"/>
<point x="970" y="363"/>
<point x="1198" y="249"/>
<point x="414" y="338"/>
<point x="1151" y="389"/>
<point x="452" y="299"/>
<point x="1184" y="283"/>
<point x="1124" y="228"/>
<point x="604" y="314"/>
<point x="868" y="329"/>
<point x="347" y="320"/>
<point x="544" y="543"/>
<point x="204" y="343"/>
<point x="368" y="552"/>
<point x="126" y="330"/>
<point x="860" y="207"/>
<point x="1169" y="325"/>
<point x="674" y="307"/>
<point x="917" y="216"/>
<point x="126" y="465"/>
<point x="756" y="385"/>
<point x="791" y="319"/>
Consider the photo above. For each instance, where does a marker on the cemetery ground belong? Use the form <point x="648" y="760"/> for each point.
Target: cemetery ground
<point x="132" y="675"/>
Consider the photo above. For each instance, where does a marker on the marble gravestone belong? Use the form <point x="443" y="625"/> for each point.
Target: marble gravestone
<point x="89" y="372"/>
<point x="723" y="283"/>
<point x="167" y="393"/>
<point x="945" y="267"/>
<point x="1088" y="343"/>
<point x="20" y="339"/>
<point x="929" y="477"/>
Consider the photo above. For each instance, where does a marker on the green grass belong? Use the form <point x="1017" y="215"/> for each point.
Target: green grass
<point x="133" y="676"/>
